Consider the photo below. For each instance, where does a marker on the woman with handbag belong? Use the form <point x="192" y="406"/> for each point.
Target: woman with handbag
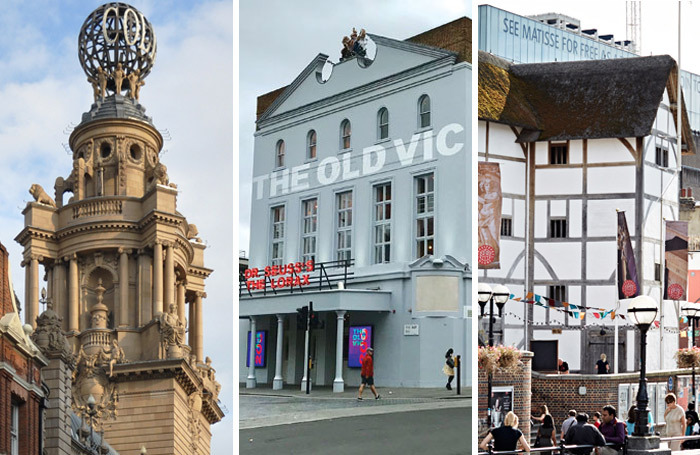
<point x="449" y="368"/>
<point x="546" y="434"/>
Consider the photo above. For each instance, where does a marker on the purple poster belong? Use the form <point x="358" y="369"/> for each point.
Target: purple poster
<point x="360" y="339"/>
<point x="260" y="346"/>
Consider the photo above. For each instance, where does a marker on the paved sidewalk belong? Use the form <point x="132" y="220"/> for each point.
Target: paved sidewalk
<point x="262" y="406"/>
<point x="387" y="393"/>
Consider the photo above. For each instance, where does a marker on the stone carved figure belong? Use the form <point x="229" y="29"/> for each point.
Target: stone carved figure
<point x="172" y="332"/>
<point x="40" y="195"/>
<point x="48" y="334"/>
<point x="193" y="232"/>
<point x="113" y="356"/>
<point x="118" y="77"/>
<point x="102" y="81"/>
<point x="135" y="83"/>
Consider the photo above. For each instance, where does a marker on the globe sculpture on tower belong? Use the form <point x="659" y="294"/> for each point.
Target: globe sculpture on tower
<point x="116" y="48"/>
<point x="124" y="269"/>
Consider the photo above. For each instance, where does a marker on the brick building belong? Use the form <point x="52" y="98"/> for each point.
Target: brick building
<point x="22" y="397"/>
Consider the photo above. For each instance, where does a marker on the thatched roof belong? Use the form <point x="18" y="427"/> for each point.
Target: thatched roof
<point x="589" y="99"/>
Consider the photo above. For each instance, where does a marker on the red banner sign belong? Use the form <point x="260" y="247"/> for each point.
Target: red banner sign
<point x="294" y="274"/>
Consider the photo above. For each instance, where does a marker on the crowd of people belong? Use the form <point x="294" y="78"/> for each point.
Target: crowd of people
<point x="606" y="431"/>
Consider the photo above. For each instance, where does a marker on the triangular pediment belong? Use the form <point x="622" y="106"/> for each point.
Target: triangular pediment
<point x="392" y="57"/>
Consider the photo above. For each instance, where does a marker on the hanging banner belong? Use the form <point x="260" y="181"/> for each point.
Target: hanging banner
<point x="676" y="258"/>
<point x="627" y="281"/>
<point x="260" y="349"/>
<point x="360" y="338"/>
<point x="490" y="200"/>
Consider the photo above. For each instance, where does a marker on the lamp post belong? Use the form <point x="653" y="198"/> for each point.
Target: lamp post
<point x="92" y="412"/>
<point x="642" y="311"/>
<point x="691" y="310"/>
<point x="500" y="294"/>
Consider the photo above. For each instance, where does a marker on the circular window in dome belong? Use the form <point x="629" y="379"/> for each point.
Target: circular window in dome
<point x="105" y="150"/>
<point x="135" y="152"/>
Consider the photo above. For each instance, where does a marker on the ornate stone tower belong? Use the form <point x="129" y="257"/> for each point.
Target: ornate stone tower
<point x="122" y="265"/>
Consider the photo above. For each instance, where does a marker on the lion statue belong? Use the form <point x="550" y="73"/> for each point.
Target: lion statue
<point x="40" y="195"/>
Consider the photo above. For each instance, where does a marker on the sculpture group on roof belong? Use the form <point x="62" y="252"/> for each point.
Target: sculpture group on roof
<point x="354" y="45"/>
<point x="99" y="82"/>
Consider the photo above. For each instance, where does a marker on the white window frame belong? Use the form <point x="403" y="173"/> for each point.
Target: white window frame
<point x="279" y="153"/>
<point x="309" y="229"/>
<point x="382" y="127"/>
<point x="381" y="251"/>
<point x="277" y="234"/>
<point x="424" y="213"/>
<point x="424" y="114"/>
<point x="14" y="429"/>
<point x="311" y="146"/>
<point x="344" y="224"/>
<point x="345" y="139"/>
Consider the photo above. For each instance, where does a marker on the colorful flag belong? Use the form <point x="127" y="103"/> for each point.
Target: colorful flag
<point x="627" y="281"/>
<point x="676" y="258"/>
<point x="490" y="200"/>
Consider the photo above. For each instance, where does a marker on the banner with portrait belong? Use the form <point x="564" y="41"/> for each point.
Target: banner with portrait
<point x="627" y="279"/>
<point x="676" y="259"/>
<point x="490" y="200"/>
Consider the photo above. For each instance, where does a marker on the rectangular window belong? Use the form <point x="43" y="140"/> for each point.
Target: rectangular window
<point x="382" y="223"/>
<point x="278" y="218"/>
<point x="557" y="228"/>
<point x="661" y="156"/>
<point x="657" y="271"/>
<point x="558" y="153"/>
<point x="506" y="227"/>
<point x="425" y="214"/>
<point x="557" y="293"/>
<point x="14" y="430"/>
<point x="309" y="230"/>
<point x="344" y="226"/>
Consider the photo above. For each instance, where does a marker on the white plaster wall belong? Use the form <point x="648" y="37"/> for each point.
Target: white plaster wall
<point x="501" y="141"/>
<point x="569" y="346"/>
<point x="576" y="152"/>
<point x="564" y="258"/>
<point x="559" y="181"/>
<point x="609" y="151"/>
<point x="617" y="179"/>
<point x="512" y="177"/>
<point x="575" y="218"/>
<point x="601" y="259"/>
<point x="602" y="216"/>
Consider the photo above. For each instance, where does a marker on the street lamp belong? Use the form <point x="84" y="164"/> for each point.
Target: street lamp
<point x="500" y="295"/>
<point x="642" y="311"/>
<point x="691" y="311"/>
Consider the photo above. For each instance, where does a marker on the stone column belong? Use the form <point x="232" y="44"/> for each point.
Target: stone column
<point x="192" y="337"/>
<point x="157" y="278"/>
<point x="123" y="287"/>
<point x="50" y="283"/>
<point x="59" y="288"/>
<point x="199" y="334"/>
<point x="181" y="301"/>
<point x="278" y="382"/>
<point x="32" y="299"/>
<point x="145" y="294"/>
<point x="169" y="276"/>
<point x="338" y="383"/>
<point x="251" y="382"/>
<point x="73" y="295"/>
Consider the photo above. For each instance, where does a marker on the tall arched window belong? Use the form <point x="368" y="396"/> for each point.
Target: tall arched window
<point x="424" y="111"/>
<point x="279" y="154"/>
<point x="311" y="145"/>
<point x="345" y="131"/>
<point x="383" y="123"/>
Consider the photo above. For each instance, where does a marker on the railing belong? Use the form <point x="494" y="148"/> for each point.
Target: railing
<point x="563" y="449"/>
<point x="97" y="208"/>
<point x="323" y="275"/>
<point x="96" y="337"/>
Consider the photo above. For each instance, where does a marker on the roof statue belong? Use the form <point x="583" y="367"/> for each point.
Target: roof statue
<point x="354" y="45"/>
<point x="116" y="43"/>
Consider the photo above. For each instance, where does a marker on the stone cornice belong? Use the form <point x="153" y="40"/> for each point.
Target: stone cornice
<point x="199" y="271"/>
<point x="33" y="232"/>
<point x="211" y="410"/>
<point x="178" y="369"/>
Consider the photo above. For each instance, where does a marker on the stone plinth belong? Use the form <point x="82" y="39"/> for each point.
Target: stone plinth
<point x="639" y="445"/>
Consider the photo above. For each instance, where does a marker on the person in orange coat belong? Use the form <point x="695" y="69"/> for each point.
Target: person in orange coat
<point x="367" y="374"/>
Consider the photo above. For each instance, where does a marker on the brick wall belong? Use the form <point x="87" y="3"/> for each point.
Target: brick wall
<point x="521" y="381"/>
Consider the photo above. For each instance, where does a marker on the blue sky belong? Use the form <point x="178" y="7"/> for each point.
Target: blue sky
<point x="189" y="95"/>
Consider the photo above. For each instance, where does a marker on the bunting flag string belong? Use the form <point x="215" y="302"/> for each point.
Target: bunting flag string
<point x="654" y="327"/>
<point x="573" y="310"/>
